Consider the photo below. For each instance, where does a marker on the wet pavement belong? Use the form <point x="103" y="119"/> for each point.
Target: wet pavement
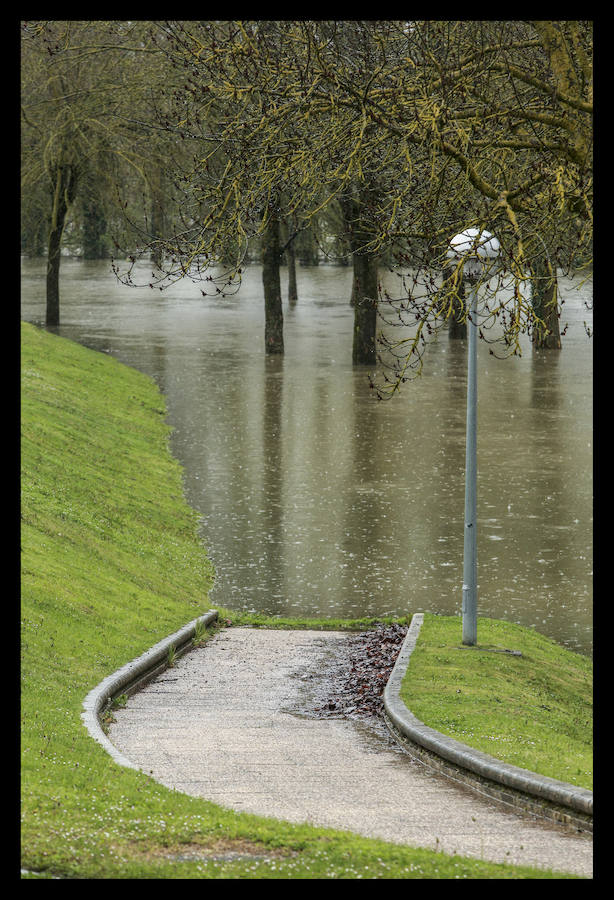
<point x="245" y="722"/>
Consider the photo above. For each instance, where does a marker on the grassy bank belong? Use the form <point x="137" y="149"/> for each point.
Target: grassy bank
<point x="534" y="711"/>
<point x="112" y="563"/>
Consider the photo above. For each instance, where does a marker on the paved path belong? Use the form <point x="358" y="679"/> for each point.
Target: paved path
<point x="233" y="722"/>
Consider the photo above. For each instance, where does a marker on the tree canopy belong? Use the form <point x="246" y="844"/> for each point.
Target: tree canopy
<point x="441" y="125"/>
<point x="436" y="126"/>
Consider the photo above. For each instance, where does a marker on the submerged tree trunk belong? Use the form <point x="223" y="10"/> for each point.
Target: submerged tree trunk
<point x="292" y="288"/>
<point x="364" y="283"/>
<point x="273" y="313"/>
<point x="364" y="300"/>
<point x="544" y="292"/>
<point x="290" y="254"/>
<point x="65" y="189"/>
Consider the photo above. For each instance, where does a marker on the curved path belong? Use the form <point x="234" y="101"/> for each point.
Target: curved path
<point x="234" y="722"/>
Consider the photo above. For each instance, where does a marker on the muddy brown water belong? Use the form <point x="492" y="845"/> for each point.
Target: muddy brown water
<point x="317" y="500"/>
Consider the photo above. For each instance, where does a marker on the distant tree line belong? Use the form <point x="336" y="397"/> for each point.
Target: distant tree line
<point x="202" y="145"/>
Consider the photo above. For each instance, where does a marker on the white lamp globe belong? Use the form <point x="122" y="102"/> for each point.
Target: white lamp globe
<point x="478" y="248"/>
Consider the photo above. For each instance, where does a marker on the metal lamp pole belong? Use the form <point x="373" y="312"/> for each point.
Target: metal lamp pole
<point x="470" y="550"/>
<point x="477" y="248"/>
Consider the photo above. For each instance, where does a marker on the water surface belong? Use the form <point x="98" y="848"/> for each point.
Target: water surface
<point x="317" y="500"/>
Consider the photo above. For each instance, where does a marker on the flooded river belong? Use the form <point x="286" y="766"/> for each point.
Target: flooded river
<point x="317" y="500"/>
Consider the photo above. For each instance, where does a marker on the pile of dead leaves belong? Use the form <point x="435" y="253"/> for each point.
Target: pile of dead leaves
<point x="359" y="687"/>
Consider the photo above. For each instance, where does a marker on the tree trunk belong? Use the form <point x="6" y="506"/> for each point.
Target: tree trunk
<point x="544" y="292"/>
<point x="364" y="299"/>
<point x="273" y="313"/>
<point x="364" y="283"/>
<point x="292" y="289"/>
<point x="290" y="254"/>
<point x="64" y="194"/>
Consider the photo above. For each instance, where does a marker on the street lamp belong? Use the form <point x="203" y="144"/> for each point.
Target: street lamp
<point x="478" y="250"/>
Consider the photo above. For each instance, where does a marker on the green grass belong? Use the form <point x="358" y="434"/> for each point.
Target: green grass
<point x="112" y="563"/>
<point x="260" y="620"/>
<point x="534" y="711"/>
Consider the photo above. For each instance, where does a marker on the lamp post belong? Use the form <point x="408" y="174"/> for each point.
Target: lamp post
<point x="478" y="250"/>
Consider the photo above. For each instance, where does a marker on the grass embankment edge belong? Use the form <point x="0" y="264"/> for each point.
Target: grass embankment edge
<point x="532" y="709"/>
<point x="111" y="563"/>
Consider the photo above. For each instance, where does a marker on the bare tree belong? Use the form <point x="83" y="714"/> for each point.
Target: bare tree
<point x="85" y="87"/>
<point x="460" y="124"/>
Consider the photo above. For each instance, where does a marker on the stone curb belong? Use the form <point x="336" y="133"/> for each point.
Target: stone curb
<point x="399" y="718"/>
<point x="133" y="676"/>
<point x="456" y="757"/>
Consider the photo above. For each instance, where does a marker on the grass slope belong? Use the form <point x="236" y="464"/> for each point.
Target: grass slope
<point x="534" y="711"/>
<point x="111" y="563"/>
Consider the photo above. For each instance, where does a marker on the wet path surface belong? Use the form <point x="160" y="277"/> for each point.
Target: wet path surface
<point x="236" y="722"/>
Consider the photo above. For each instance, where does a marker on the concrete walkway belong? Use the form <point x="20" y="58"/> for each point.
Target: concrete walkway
<point x="234" y="722"/>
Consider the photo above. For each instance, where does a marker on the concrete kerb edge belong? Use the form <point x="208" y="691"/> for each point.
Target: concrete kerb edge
<point x="138" y="670"/>
<point x="486" y="767"/>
